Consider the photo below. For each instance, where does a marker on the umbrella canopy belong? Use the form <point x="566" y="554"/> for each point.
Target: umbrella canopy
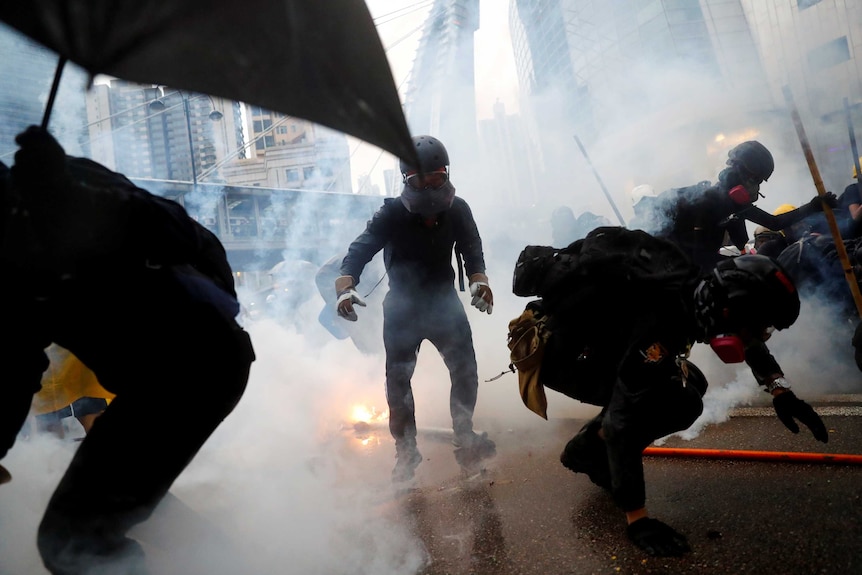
<point x="318" y="60"/>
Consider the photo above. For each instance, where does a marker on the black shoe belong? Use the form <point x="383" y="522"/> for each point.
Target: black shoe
<point x="471" y="449"/>
<point x="586" y="453"/>
<point x="408" y="459"/>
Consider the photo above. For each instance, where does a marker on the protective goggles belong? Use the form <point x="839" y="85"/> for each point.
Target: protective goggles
<point x="429" y="181"/>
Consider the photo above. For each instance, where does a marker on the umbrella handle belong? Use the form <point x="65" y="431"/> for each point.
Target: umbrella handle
<point x="57" y="73"/>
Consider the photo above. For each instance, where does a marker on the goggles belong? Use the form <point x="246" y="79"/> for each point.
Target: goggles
<point x="429" y="181"/>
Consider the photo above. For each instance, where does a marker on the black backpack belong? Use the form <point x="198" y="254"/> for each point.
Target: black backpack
<point x="612" y="257"/>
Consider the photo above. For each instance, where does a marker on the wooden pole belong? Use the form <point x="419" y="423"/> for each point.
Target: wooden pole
<point x="827" y="211"/>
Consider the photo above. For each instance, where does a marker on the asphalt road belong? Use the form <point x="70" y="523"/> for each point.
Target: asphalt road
<point x="528" y="515"/>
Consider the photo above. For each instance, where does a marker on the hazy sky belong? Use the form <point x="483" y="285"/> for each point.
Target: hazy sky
<point x="495" y="65"/>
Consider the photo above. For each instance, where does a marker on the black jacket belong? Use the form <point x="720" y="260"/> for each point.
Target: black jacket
<point x="104" y="269"/>
<point x="697" y="222"/>
<point x="417" y="257"/>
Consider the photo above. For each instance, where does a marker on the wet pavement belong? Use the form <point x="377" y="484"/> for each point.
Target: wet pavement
<point x="526" y="514"/>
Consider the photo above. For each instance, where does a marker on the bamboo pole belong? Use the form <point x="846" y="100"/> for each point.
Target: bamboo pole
<point x="827" y="211"/>
<point x="753" y="455"/>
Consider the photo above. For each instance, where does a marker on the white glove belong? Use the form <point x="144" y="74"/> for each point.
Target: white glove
<point x="345" y="302"/>
<point x="481" y="293"/>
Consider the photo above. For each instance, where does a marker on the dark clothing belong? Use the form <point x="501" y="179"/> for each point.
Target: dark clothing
<point x="417" y="257"/>
<point x="438" y="317"/>
<point x="144" y="297"/>
<point x="846" y="224"/>
<point x="422" y="302"/>
<point x="698" y="222"/>
<point x="626" y="362"/>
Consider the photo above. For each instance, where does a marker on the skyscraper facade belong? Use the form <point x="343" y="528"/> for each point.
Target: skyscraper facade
<point x="635" y="79"/>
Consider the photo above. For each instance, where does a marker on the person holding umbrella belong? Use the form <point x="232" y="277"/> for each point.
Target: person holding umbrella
<point x="144" y="297"/>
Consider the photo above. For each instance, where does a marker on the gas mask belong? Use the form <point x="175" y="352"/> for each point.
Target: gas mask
<point x="428" y="194"/>
<point x="743" y="188"/>
<point x="728" y="346"/>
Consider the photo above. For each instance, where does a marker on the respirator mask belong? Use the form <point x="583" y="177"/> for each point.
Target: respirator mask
<point x="427" y="194"/>
<point x="743" y="188"/>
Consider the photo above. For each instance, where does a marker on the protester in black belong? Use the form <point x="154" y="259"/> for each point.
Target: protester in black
<point x="144" y="297"/>
<point x="699" y="221"/>
<point x="849" y="211"/>
<point x="623" y="345"/>
<point x="417" y="233"/>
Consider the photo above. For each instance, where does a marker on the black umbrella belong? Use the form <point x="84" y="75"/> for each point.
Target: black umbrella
<point x="320" y="60"/>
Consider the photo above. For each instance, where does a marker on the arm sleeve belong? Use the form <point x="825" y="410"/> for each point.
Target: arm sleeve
<point x="737" y="232"/>
<point x="367" y="244"/>
<point x="469" y="243"/>
<point x="761" y="362"/>
<point x="777" y="223"/>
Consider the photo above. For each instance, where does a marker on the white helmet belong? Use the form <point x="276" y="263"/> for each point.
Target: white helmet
<point x="642" y="191"/>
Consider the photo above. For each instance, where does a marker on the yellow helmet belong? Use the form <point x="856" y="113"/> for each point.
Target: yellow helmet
<point x="855" y="173"/>
<point x="783" y="209"/>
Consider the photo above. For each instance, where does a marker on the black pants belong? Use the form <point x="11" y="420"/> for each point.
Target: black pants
<point x="439" y="317"/>
<point x="176" y="390"/>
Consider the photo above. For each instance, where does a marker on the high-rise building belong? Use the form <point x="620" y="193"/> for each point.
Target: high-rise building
<point x="440" y="99"/>
<point x="508" y="148"/>
<point x="289" y="152"/>
<point x="643" y="81"/>
<point x="27" y="70"/>
<point x="156" y="132"/>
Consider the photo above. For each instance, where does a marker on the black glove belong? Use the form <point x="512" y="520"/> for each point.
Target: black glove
<point x="40" y="161"/>
<point x="788" y="406"/>
<point x="657" y="538"/>
<point x="828" y="198"/>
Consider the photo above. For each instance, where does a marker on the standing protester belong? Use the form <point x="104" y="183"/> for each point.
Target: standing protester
<point x="564" y="226"/>
<point x="849" y="210"/>
<point x="698" y="222"/>
<point x="417" y="233"/>
<point x="618" y="315"/>
<point x="144" y="297"/>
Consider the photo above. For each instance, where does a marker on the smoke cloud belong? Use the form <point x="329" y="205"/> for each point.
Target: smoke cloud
<point x="286" y="484"/>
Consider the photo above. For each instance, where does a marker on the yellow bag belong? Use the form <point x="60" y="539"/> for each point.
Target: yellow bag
<point x="65" y="381"/>
<point x="527" y="337"/>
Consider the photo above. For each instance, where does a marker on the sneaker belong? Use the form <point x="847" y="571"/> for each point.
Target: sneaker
<point x="586" y="453"/>
<point x="471" y="448"/>
<point x="408" y="459"/>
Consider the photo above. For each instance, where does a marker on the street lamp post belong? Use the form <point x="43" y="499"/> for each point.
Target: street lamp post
<point x="187" y="112"/>
<point x="214" y="115"/>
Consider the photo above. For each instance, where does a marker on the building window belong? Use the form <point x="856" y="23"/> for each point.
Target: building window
<point x="292" y="175"/>
<point x="829" y="54"/>
<point x="803" y="4"/>
<point x="308" y="172"/>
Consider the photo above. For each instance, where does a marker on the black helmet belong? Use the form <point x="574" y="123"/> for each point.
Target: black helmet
<point x="754" y="158"/>
<point x="754" y="291"/>
<point x="431" y="153"/>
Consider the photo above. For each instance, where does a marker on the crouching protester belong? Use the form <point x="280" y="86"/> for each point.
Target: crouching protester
<point x="618" y="314"/>
<point x="144" y="296"/>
